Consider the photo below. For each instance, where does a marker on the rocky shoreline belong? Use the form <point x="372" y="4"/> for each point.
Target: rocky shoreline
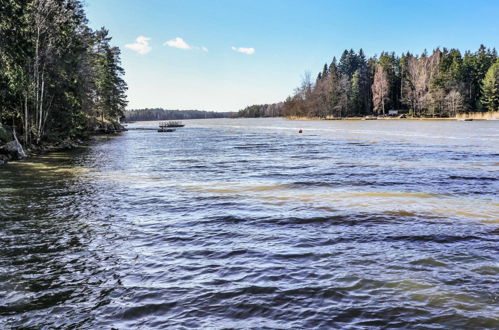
<point x="12" y="150"/>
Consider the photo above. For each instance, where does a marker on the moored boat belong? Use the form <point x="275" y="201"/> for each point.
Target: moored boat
<point x="171" y="124"/>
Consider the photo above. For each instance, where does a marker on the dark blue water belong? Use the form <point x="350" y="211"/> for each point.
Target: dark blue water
<point x="246" y="223"/>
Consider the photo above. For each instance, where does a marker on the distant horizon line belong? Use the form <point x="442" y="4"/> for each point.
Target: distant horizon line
<point x="161" y="108"/>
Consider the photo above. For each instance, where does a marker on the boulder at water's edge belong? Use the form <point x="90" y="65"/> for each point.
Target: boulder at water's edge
<point x="14" y="150"/>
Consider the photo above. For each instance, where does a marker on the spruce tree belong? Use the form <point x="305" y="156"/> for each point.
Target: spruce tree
<point x="324" y="71"/>
<point x="490" y="88"/>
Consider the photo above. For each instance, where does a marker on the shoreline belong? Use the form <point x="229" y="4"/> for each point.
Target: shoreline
<point x="470" y="116"/>
<point x="69" y="144"/>
<point x="45" y="148"/>
<point x="11" y="149"/>
<point x="387" y="118"/>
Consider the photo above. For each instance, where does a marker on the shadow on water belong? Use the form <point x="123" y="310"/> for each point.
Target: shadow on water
<point x="55" y="259"/>
<point x="243" y="224"/>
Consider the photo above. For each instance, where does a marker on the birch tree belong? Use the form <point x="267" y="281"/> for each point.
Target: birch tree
<point x="380" y="89"/>
<point x="48" y="70"/>
<point x="420" y="72"/>
<point x="454" y="102"/>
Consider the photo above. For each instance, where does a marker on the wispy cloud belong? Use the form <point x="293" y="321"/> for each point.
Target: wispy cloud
<point x="177" y="43"/>
<point x="181" y="44"/>
<point x="244" y="50"/>
<point x="141" y="45"/>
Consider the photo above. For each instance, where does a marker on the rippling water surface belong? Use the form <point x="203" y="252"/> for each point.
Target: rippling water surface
<point x="245" y="223"/>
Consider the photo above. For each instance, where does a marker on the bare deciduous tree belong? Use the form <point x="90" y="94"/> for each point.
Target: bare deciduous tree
<point x="455" y="102"/>
<point x="380" y="89"/>
<point x="420" y="72"/>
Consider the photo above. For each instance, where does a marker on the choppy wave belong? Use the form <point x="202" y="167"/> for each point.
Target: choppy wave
<point x="246" y="224"/>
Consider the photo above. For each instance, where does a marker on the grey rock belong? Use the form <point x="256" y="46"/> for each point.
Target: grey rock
<point x="14" y="149"/>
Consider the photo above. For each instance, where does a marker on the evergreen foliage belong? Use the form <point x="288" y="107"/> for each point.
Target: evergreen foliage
<point x="262" y="110"/>
<point x="442" y="83"/>
<point x="56" y="74"/>
<point x="163" y="114"/>
<point x="490" y="88"/>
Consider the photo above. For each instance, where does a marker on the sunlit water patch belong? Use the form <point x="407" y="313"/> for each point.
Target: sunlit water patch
<point x="246" y="223"/>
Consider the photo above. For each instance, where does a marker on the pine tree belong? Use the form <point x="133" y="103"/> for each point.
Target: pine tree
<point x="490" y="88"/>
<point x="50" y="63"/>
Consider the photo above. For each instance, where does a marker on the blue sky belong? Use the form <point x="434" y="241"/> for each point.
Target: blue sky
<point x="234" y="53"/>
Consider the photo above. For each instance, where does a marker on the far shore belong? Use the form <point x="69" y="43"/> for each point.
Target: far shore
<point x="460" y="117"/>
<point x="379" y="118"/>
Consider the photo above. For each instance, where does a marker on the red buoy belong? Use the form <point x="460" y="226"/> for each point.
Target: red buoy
<point x="300" y="131"/>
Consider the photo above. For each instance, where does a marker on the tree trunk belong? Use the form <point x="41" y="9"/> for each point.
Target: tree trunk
<point x="36" y="73"/>
<point x="40" y="116"/>
<point x="26" y="119"/>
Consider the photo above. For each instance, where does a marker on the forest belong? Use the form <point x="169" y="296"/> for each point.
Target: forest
<point x="164" y="114"/>
<point x="262" y="110"/>
<point x="441" y="84"/>
<point x="59" y="79"/>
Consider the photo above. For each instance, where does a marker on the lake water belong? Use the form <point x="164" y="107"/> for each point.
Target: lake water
<point x="235" y="223"/>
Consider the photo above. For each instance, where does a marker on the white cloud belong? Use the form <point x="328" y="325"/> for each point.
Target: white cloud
<point x="244" y="50"/>
<point x="141" y="45"/>
<point x="177" y="43"/>
<point x="181" y="44"/>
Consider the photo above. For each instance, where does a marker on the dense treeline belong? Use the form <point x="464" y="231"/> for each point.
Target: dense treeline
<point x="57" y="76"/>
<point x="442" y="84"/>
<point x="163" y="114"/>
<point x="262" y="110"/>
